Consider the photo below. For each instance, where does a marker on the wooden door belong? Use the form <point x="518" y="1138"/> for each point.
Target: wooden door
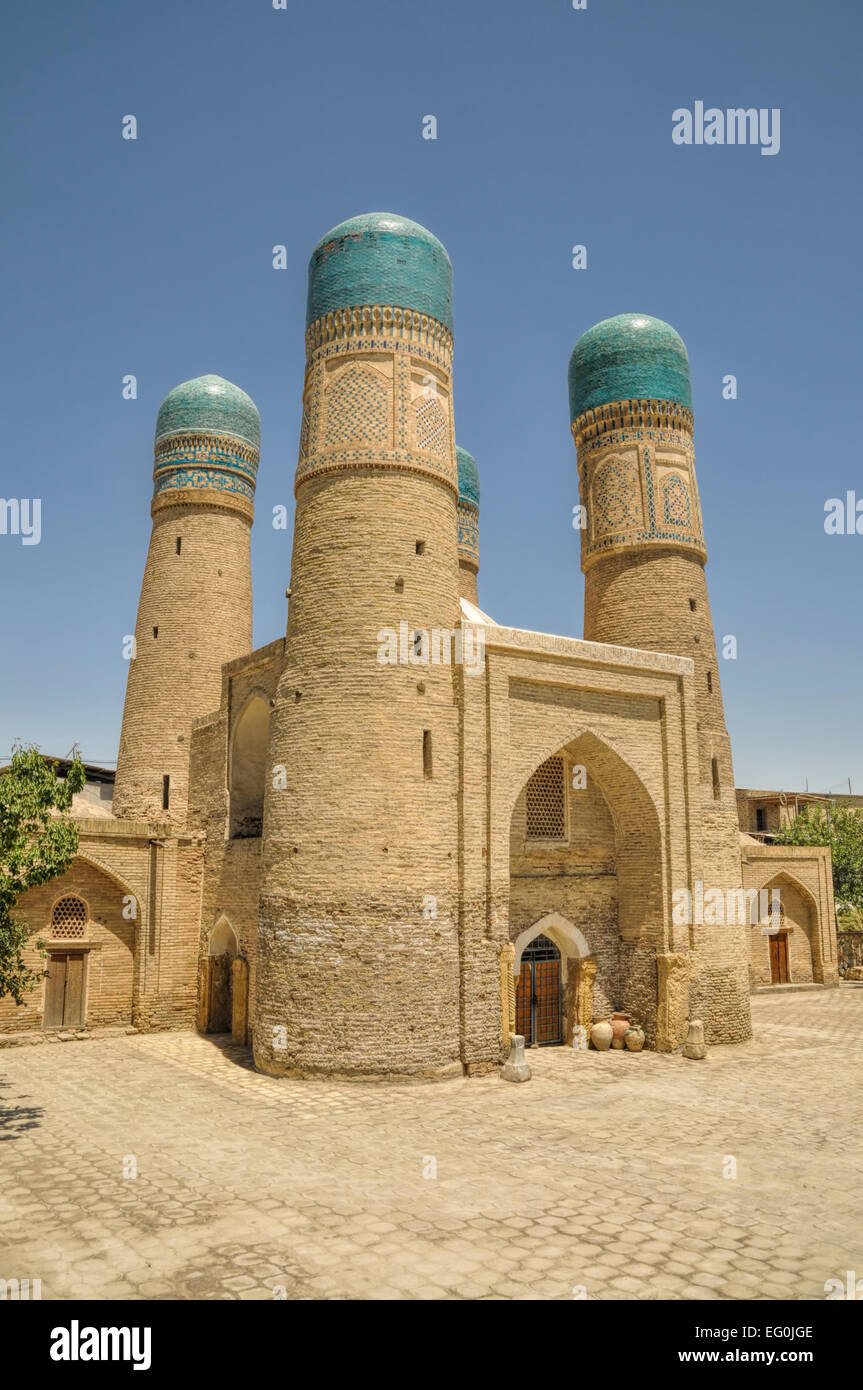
<point x="64" y="990"/>
<point x="779" y="974"/>
<point x="546" y="988"/>
<point x="220" y="1010"/>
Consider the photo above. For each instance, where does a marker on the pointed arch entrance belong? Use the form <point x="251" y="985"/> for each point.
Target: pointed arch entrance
<point x="223" y="985"/>
<point x="790" y="955"/>
<point x="539" y="994"/>
<point x="586" y="873"/>
<point x="221" y="953"/>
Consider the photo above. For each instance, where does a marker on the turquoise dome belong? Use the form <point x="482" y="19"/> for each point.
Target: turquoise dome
<point x="209" y="405"/>
<point x="380" y="258"/>
<point x="468" y="477"/>
<point x="629" y="357"/>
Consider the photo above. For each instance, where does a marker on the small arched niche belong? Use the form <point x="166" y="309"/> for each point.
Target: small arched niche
<point x="223" y="940"/>
<point x="248" y="769"/>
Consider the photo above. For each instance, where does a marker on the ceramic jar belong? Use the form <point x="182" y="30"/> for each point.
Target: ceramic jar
<point x="619" y="1025"/>
<point x="634" y="1039"/>
<point x="601" y="1034"/>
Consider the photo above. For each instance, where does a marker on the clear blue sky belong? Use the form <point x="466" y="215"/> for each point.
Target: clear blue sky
<point x="259" y="127"/>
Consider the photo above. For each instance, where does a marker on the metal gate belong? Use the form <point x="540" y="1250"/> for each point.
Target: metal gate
<point x="538" y="1005"/>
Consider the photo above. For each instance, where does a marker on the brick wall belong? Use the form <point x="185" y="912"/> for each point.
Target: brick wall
<point x="108" y="943"/>
<point x="199" y="603"/>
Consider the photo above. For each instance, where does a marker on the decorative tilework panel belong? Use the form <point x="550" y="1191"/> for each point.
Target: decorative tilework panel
<point x="614" y="496"/>
<point x="468" y="528"/>
<point x="204" y="478"/>
<point x="357" y="407"/>
<point x="675" y="499"/>
<point x="432" y="430"/>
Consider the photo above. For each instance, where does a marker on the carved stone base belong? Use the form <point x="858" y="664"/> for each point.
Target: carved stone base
<point x="516" y="1068"/>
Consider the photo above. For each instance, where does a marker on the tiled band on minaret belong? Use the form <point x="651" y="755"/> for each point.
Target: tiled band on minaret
<point x="358" y="967"/>
<point x="468" y="524"/>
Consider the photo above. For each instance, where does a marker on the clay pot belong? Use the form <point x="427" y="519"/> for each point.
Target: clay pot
<point x="619" y="1025"/>
<point x="601" y="1034"/>
<point x="634" y="1039"/>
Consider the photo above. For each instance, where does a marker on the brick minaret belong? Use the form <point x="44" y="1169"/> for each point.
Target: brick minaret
<point x="468" y="524"/>
<point x="195" y="609"/>
<point x="358" y="960"/>
<point x="643" y="557"/>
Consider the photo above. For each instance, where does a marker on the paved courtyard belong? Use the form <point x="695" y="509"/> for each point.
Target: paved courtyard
<point x="606" y="1172"/>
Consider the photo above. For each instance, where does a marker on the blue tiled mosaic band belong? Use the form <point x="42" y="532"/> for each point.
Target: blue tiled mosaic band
<point x="204" y="478"/>
<point x="468" y="532"/>
<point x="380" y="258"/>
<point x="468" y="476"/>
<point x="629" y="357"/>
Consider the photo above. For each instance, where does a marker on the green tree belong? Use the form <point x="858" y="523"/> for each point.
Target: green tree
<point x="840" y="827"/>
<point x="38" y="841"/>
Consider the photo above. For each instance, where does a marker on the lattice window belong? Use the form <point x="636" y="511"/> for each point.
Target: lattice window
<point x="546" y="802"/>
<point x="432" y="430"/>
<point x="357" y="407"/>
<point x="69" y="918"/>
<point x="304" y="434"/>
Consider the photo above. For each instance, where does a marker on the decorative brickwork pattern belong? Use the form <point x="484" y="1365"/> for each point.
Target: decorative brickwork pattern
<point x="432" y="429"/>
<point x="614" y="496"/>
<point x="357" y="407"/>
<point x="415" y="342"/>
<point x="675" y="502"/>
<point x="202" y="462"/>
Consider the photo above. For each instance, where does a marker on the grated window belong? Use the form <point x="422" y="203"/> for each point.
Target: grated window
<point x="68" y="918"/>
<point x="545" y="797"/>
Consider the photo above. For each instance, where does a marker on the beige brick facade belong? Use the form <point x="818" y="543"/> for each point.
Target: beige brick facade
<point x="367" y="836"/>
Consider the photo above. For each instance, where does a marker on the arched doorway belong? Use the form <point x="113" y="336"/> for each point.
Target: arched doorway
<point x="248" y="769"/>
<point x="65" y="986"/>
<point x="585" y="861"/>
<point x="219" y="978"/>
<point x="539" y="994"/>
<point x="792" y="954"/>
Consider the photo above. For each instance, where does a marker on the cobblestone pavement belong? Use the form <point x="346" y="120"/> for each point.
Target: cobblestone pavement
<point x="605" y="1171"/>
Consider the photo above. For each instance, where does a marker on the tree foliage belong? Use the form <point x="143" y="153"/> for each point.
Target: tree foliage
<point x="840" y="827"/>
<point x="38" y="841"/>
